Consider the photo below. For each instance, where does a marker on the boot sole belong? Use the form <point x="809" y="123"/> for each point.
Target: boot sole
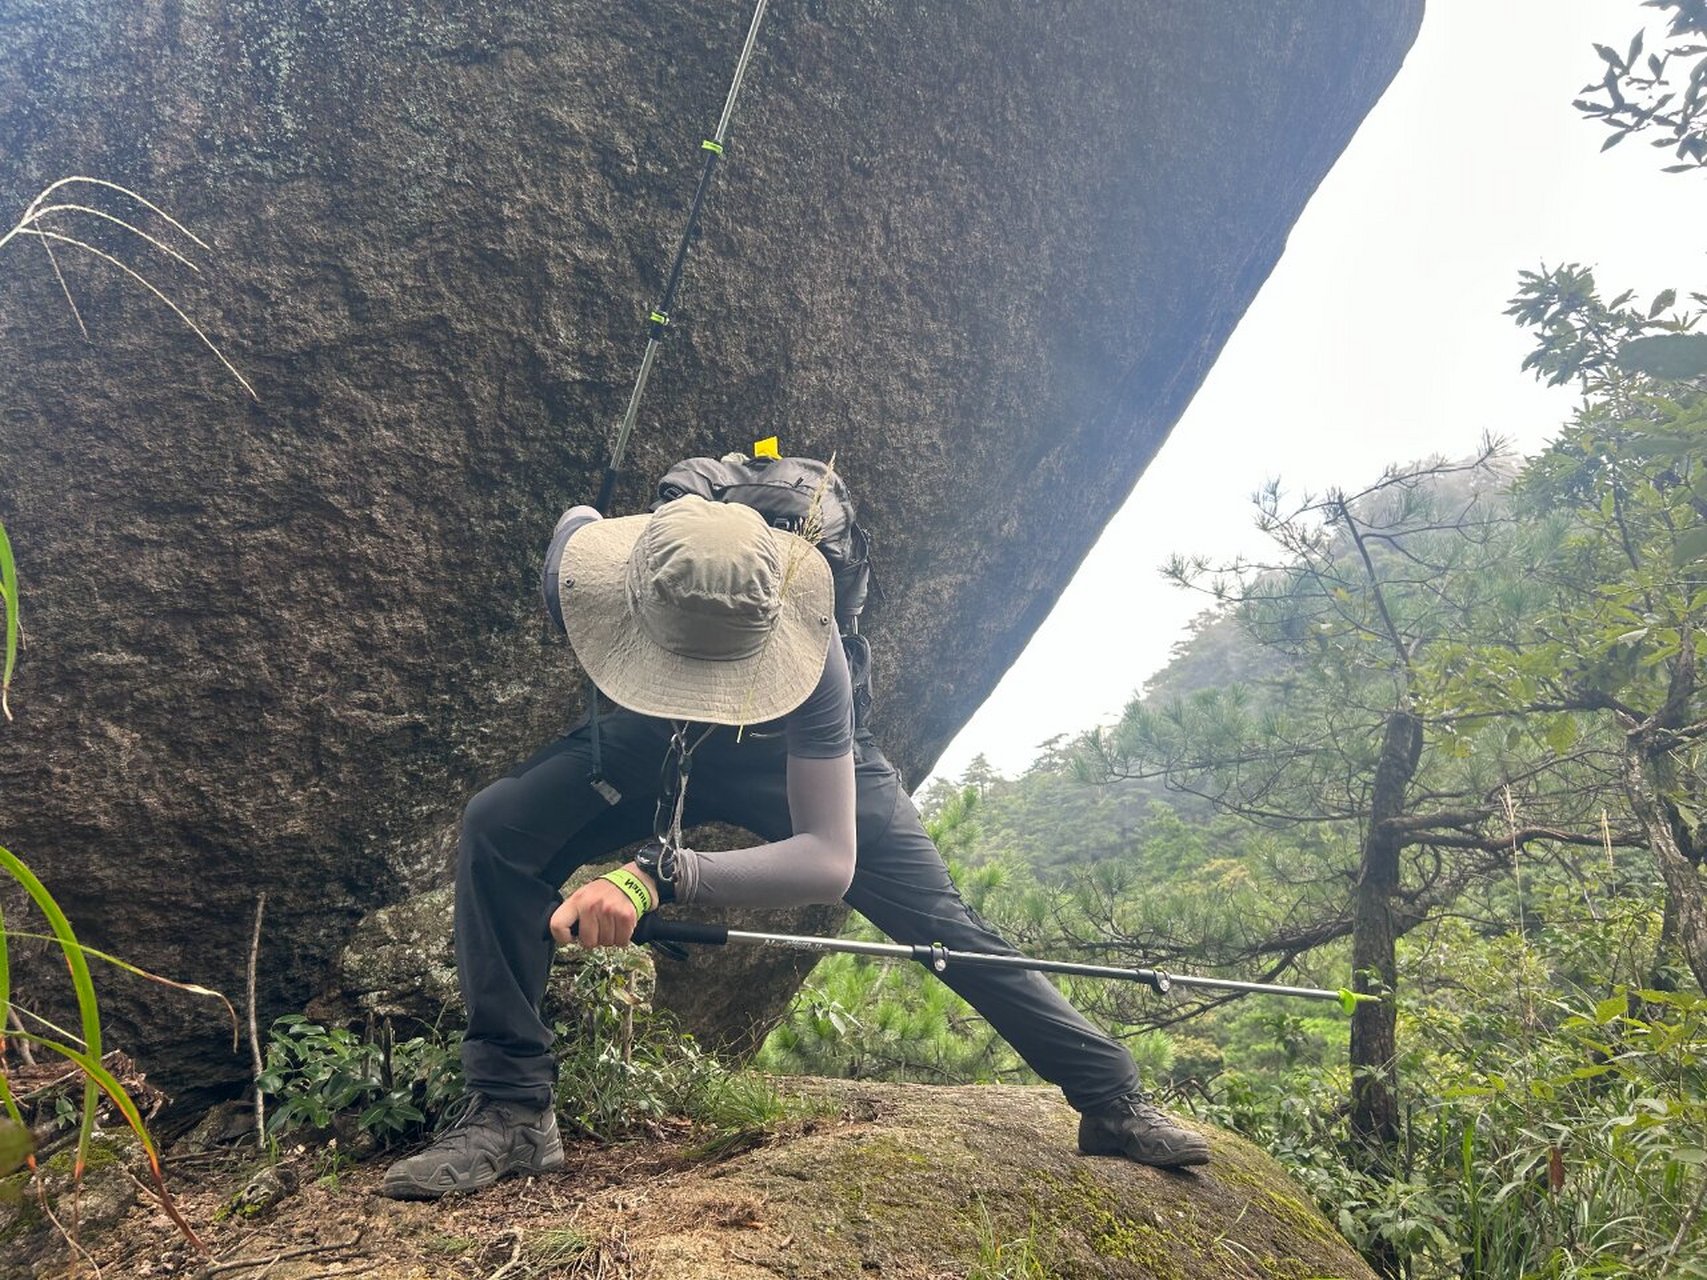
<point x="1092" y="1143"/>
<point x="1182" y="1160"/>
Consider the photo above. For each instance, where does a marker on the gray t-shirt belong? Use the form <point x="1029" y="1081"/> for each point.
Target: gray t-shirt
<point x="820" y="728"/>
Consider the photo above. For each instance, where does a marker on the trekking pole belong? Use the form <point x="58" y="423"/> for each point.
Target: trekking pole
<point x="659" y="318"/>
<point x="656" y="323"/>
<point x="938" y="957"/>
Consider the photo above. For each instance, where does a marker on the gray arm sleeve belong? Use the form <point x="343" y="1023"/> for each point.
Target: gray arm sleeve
<point x="815" y="864"/>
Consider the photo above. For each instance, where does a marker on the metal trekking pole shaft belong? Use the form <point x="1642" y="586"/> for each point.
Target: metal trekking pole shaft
<point x="938" y="958"/>
<point x="659" y="318"/>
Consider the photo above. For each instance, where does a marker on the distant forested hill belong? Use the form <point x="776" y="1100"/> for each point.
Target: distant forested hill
<point x="1050" y="819"/>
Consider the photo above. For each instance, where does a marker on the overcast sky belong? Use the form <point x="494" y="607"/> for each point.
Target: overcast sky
<point x="1380" y="336"/>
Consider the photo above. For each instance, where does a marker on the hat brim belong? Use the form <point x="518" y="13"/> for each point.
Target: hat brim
<point x="636" y="672"/>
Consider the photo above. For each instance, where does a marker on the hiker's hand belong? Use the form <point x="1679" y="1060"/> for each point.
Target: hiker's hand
<point x="599" y="914"/>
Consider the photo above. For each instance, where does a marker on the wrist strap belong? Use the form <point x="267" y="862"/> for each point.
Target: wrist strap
<point x="633" y="887"/>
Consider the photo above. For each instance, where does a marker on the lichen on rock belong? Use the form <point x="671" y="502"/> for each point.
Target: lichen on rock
<point x="93" y="1204"/>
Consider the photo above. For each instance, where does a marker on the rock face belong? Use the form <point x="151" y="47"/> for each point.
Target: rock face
<point x="400" y="964"/>
<point x="983" y="253"/>
<point x="116" y="1171"/>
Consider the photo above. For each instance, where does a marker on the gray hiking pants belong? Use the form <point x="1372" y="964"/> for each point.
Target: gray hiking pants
<point x="523" y="836"/>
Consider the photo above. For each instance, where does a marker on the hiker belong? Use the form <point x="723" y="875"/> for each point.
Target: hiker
<point x="715" y="636"/>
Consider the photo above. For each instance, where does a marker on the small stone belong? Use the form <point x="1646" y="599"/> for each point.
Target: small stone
<point x="266" y="1187"/>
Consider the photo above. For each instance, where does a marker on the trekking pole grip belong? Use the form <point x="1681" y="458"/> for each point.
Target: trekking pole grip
<point x="652" y="929"/>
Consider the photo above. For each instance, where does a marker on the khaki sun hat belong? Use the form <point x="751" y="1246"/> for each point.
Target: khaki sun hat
<point x="699" y="611"/>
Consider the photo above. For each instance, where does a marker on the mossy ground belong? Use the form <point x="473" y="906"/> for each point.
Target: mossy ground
<point x="907" y="1182"/>
<point x="107" y="1191"/>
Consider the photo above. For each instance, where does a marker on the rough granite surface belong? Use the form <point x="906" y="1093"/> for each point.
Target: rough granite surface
<point x="983" y="253"/>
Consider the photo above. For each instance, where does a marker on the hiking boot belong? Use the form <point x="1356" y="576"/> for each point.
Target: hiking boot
<point x="1133" y="1128"/>
<point x="493" y="1139"/>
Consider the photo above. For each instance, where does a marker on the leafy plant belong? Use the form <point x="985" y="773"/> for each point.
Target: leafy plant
<point x="1649" y="96"/>
<point x="87" y="1055"/>
<point x="1580" y="337"/>
<point x="619" y="1074"/>
<point x="317" y="1074"/>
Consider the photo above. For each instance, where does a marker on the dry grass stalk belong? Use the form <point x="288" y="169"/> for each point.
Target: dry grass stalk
<point x="35" y="222"/>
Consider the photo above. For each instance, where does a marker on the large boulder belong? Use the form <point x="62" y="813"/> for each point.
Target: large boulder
<point x="983" y="253"/>
<point x="910" y="1182"/>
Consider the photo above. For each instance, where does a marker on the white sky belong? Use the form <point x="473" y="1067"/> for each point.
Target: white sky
<point x="1380" y="336"/>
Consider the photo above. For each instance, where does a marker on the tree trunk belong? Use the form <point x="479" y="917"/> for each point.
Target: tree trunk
<point x="1374" y="1095"/>
<point x="1686" y="894"/>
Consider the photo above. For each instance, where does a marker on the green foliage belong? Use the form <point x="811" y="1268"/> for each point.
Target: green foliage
<point x="862" y="1019"/>
<point x="1588" y="1146"/>
<point x="1003" y="1257"/>
<point x="619" y="1073"/>
<point x="9" y="611"/>
<point x="317" y="1074"/>
<point x="1547" y="1134"/>
<point x="87" y="1055"/>
<point x="1617" y="531"/>
<point x="871" y="1021"/>
<point x="1571" y="1156"/>
<point x="1615" y="513"/>
<point x="554" y="1247"/>
<point x="607" y="1091"/>
<point x="1581" y="338"/>
<point x="1636" y="95"/>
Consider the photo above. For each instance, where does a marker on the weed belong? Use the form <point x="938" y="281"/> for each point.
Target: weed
<point x="619" y="1073"/>
<point x="554" y="1247"/>
<point x="51" y="209"/>
<point x="1004" y="1257"/>
<point x="448" y="1246"/>
<point x="319" y="1073"/>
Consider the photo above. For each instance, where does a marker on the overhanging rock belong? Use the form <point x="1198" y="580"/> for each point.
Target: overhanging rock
<point x="983" y="253"/>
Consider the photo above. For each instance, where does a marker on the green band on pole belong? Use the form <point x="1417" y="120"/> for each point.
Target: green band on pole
<point x="707" y="144"/>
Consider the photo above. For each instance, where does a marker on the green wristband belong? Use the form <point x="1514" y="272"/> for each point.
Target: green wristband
<point x="632" y="887"/>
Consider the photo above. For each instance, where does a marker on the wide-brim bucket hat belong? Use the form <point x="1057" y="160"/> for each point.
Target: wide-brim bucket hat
<point x="699" y="611"/>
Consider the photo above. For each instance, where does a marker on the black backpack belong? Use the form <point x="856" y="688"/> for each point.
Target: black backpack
<point x="807" y="497"/>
